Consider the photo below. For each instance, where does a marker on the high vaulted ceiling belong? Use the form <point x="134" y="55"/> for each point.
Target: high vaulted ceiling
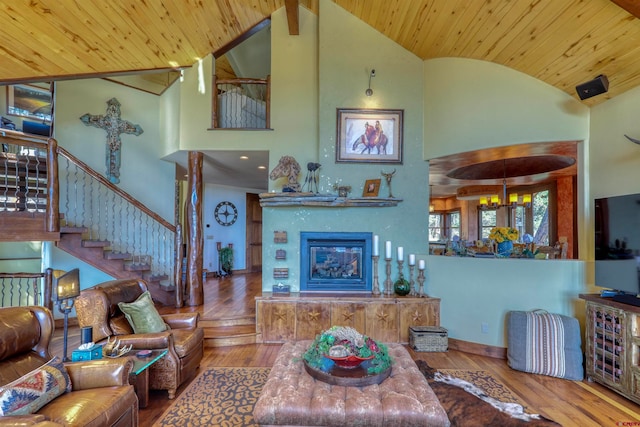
<point x="561" y="42"/>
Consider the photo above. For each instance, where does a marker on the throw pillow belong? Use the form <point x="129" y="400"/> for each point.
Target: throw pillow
<point x="142" y="315"/>
<point x="32" y="391"/>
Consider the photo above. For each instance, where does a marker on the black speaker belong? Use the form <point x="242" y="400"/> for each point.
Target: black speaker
<point x="86" y="335"/>
<point x="593" y="87"/>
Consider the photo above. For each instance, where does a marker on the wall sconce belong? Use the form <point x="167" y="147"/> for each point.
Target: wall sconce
<point x="369" y="92"/>
<point x="68" y="288"/>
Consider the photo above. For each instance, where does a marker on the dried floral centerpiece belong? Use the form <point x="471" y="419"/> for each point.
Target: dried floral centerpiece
<point x="347" y="348"/>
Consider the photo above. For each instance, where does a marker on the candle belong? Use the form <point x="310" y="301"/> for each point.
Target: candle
<point x="400" y="253"/>
<point x="375" y="245"/>
<point x="412" y="259"/>
<point x="387" y="249"/>
<point x="421" y="264"/>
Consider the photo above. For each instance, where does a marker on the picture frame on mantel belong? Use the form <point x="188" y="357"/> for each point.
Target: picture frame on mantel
<point x="371" y="188"/>
<point x="369" y="135"/>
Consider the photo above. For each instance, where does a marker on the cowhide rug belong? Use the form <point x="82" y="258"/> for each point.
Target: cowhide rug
<point x="468" y="406"/>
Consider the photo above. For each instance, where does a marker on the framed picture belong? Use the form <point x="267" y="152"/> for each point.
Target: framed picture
<point x="371" y="188"/>
<point x="30" y="102"/>
<point x="367" y="136"/>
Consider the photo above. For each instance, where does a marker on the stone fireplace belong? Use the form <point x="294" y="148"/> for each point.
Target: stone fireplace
<point x="335" y="262"/>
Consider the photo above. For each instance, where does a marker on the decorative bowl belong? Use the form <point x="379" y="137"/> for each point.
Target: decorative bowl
<point x="348" y="362"/>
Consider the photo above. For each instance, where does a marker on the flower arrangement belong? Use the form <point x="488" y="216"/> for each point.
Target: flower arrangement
<point x="344" y="341"/>
<point x="502" y="234"/>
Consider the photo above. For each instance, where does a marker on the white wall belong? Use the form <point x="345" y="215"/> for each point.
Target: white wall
<point x="470" y="105"/>
<point x="214" y="232"/>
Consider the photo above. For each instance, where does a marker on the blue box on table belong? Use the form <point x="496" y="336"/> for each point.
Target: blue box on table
<point x="93" y="353"/>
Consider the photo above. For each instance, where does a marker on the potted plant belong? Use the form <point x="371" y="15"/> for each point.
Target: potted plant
<point x="226" y="259"/>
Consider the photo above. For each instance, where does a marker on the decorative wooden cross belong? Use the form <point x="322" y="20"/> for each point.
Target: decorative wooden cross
<point x="114" y="125"/>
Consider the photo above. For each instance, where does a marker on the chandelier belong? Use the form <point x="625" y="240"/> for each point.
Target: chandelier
<point x="493" y="201"/>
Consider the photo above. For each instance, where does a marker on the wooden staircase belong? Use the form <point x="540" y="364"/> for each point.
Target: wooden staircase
<point x="98" y="254"/>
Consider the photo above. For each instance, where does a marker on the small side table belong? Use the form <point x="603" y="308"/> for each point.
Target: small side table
<point x="139" y="376"/>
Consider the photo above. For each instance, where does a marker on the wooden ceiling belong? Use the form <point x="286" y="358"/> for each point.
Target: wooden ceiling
<point x="561" y="42"/>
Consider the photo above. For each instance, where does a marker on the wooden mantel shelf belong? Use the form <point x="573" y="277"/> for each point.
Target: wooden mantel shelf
<point x="324" y="200"/>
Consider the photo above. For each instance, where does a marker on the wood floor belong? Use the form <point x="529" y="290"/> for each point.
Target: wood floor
<point x="569" y="403"/>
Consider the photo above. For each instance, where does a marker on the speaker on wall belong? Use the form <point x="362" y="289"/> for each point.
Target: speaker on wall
<point x="593" y="87"/>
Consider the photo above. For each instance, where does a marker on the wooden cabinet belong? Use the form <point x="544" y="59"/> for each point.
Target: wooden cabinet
<point x="385" y="319"/>
<point x="612" y="345"/>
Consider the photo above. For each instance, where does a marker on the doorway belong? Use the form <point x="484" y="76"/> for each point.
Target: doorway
<point x="254" y="233"/>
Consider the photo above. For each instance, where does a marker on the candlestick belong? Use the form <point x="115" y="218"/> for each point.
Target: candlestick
<point x="376" y="285"/>
<point x="421" y="292"/>
<point x="387" y="249"/>
<point x="375" y="245"/>
<point x="412" y="259"/>
<point x="400" y="253"/>
<point x="421" y="264"/>
<point x="412" y="283"/>
<point x="388" y="284"/>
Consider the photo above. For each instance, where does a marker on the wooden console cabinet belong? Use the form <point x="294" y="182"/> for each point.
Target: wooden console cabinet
<point x="385" y="319"/>
<point x="613" y="345"/>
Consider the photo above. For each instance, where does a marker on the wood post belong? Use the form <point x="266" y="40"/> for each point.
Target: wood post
<point x="195" y="243"/>
<point x="53" y="200"/>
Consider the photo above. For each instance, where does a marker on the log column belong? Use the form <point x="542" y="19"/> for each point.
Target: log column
<point x="195" y="244"/>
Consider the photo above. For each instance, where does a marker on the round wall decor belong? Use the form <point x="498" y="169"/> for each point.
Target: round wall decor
<point x="226" y="213"/>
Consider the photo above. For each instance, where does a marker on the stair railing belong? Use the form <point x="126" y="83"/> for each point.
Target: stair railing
<point x="22" y="289"/>
<point x="109" y="214"/>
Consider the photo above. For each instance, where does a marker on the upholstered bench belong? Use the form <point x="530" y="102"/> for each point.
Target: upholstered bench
<point x="292" y="397"/>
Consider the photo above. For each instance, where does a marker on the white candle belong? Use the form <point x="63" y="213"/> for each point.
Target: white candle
<point x="421" y="264"/>
<point x="375" y="245"/>
<point x="387" y="249"/>
<point x="412" y="259"/>
<point x="400" y="253"/>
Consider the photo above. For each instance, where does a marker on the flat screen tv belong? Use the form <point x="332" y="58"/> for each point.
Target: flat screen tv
<point x="617" y="243"/>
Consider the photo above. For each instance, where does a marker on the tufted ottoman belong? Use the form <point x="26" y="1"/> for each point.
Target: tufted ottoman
<point x="292" y="397"/>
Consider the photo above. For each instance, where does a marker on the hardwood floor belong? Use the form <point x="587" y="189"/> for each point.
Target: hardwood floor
<point x="569" y="403"/>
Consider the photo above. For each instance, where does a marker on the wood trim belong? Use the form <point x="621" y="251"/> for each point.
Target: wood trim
<point x="293" y="22"/>
<point x="479" y="349"/>
<point x="235" y="42"/>
<point x="116" y="190"/>
<point x="631" y="6"/>
<point x="94" y="75"/>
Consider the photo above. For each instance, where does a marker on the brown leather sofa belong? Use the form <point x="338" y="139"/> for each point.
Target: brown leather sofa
<point x="98" y="307"/>
<point x="101" y="394"/>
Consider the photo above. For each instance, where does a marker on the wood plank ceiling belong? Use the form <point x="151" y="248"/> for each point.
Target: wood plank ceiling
<point x="561" y="42"/>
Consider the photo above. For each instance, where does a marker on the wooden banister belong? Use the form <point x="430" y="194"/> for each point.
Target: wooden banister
<point x="126" y="196"/>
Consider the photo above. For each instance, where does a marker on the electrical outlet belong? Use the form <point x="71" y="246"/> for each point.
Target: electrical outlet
<point x="484" y="327"/>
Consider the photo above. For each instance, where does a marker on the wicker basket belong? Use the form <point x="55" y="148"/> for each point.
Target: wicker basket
<point x="428" y="338"/>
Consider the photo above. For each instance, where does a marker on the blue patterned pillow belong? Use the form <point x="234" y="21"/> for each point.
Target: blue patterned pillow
<point x="29" y="393"/>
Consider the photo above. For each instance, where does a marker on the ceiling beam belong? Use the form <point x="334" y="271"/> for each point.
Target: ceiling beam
<point x="631" y="6"/>
<point x="291" y="7"/>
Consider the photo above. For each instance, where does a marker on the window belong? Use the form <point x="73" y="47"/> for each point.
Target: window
<point x="487" y="220"/>
<point x="444" y="225"/>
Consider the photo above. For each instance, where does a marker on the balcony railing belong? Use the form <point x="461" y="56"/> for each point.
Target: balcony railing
<point x="241" y="103"/>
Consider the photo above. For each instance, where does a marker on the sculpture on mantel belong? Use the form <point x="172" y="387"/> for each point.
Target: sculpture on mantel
<point x="290" y="168"/>
<point x="388" y="176"/>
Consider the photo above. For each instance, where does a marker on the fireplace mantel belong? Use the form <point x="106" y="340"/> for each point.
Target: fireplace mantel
<point x="324" y="200"/>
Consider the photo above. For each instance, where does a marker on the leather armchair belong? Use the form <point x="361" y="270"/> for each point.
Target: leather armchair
<point x="101" y="394"/>
<point x="184" y="340"/>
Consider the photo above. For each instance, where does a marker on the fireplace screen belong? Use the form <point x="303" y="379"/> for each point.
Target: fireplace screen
<point x="335" y="262"/>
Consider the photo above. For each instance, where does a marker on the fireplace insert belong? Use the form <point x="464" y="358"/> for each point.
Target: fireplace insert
<point x="335" y="262"/>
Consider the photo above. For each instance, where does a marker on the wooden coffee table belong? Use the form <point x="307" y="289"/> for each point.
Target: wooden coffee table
<point x="139" y="376"/>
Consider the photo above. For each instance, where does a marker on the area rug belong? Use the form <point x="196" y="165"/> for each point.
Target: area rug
<point x="226" y="396"/>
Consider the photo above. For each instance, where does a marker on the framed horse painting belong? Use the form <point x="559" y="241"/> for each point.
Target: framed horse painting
<point x="369" y="135"/>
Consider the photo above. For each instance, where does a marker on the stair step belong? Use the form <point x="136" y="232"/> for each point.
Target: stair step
<point x="232" y="321"/>
<point x="167" y="286"/>
<point x="224" y="336"/>
<point x="116" y="255"/>
<point x="96" y="243"/>
<point x="150" y="277"/>
<point x="69" y="229"/>
<point x="132" y="266"/>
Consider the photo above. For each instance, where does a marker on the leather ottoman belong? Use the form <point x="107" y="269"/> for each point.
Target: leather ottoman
<point x="292" y="397"/>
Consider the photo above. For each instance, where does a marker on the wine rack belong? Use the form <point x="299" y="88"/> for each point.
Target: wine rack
<point x="612" y="345"/>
